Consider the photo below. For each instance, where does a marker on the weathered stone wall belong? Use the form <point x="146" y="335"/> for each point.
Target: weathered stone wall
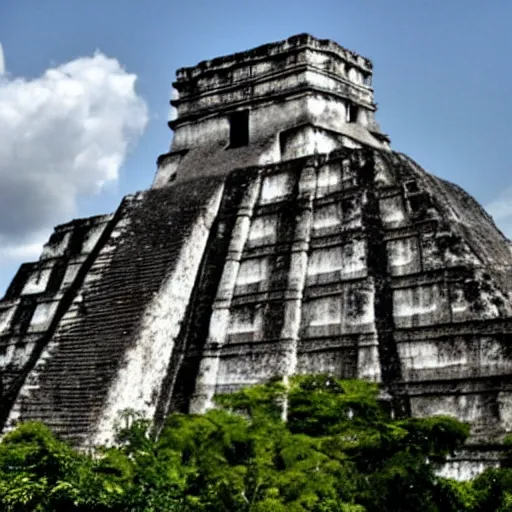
<point x="297" y="82"/>
<point x="354" y="265"/>
<point x="36" y="297"/>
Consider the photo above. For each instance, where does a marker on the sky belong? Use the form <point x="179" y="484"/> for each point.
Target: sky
<point x="85" y="88"/>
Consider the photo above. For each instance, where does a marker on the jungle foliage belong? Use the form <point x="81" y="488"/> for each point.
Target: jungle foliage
<point x="338" y="451"/>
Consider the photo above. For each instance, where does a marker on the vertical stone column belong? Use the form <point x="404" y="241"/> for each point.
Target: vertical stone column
<point x="219" y="321"/>
<point x="297" y="275"/>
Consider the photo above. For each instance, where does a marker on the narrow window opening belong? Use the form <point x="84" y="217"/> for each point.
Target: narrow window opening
<point x="239" y="129"/>
<point x="352" y="113"/>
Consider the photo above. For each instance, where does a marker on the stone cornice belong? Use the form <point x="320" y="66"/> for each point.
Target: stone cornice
<point x="264" y="52"/>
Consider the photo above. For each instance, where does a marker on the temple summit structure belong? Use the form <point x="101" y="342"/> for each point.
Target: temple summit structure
<point x="281" y="235"/>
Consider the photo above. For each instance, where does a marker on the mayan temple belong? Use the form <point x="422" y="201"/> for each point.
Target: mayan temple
<point x="281" y="235"/>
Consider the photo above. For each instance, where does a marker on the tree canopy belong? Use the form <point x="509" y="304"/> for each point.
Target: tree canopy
<point x="338" y="451"/>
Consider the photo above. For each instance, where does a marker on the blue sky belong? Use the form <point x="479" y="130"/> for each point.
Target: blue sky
<point x="442" y="81"/>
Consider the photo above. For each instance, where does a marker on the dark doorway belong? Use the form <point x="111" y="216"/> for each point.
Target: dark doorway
<point x="352" y="113"/>
<point x="239" y="129"/>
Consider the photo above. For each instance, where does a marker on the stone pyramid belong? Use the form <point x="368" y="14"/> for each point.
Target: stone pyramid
<point x="281" y="235"/>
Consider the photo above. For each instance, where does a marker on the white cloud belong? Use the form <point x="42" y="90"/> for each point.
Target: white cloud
<point x="501" y="211"/>
<point x="29" y="251"/>
<point x="63" y="135"/>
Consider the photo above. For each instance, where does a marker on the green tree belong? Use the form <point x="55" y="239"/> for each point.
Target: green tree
<point x="38" y="472"/>
<point x="338" y="451"/>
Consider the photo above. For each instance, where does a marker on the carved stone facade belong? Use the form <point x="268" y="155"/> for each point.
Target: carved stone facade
<point x="281" y="235"/>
